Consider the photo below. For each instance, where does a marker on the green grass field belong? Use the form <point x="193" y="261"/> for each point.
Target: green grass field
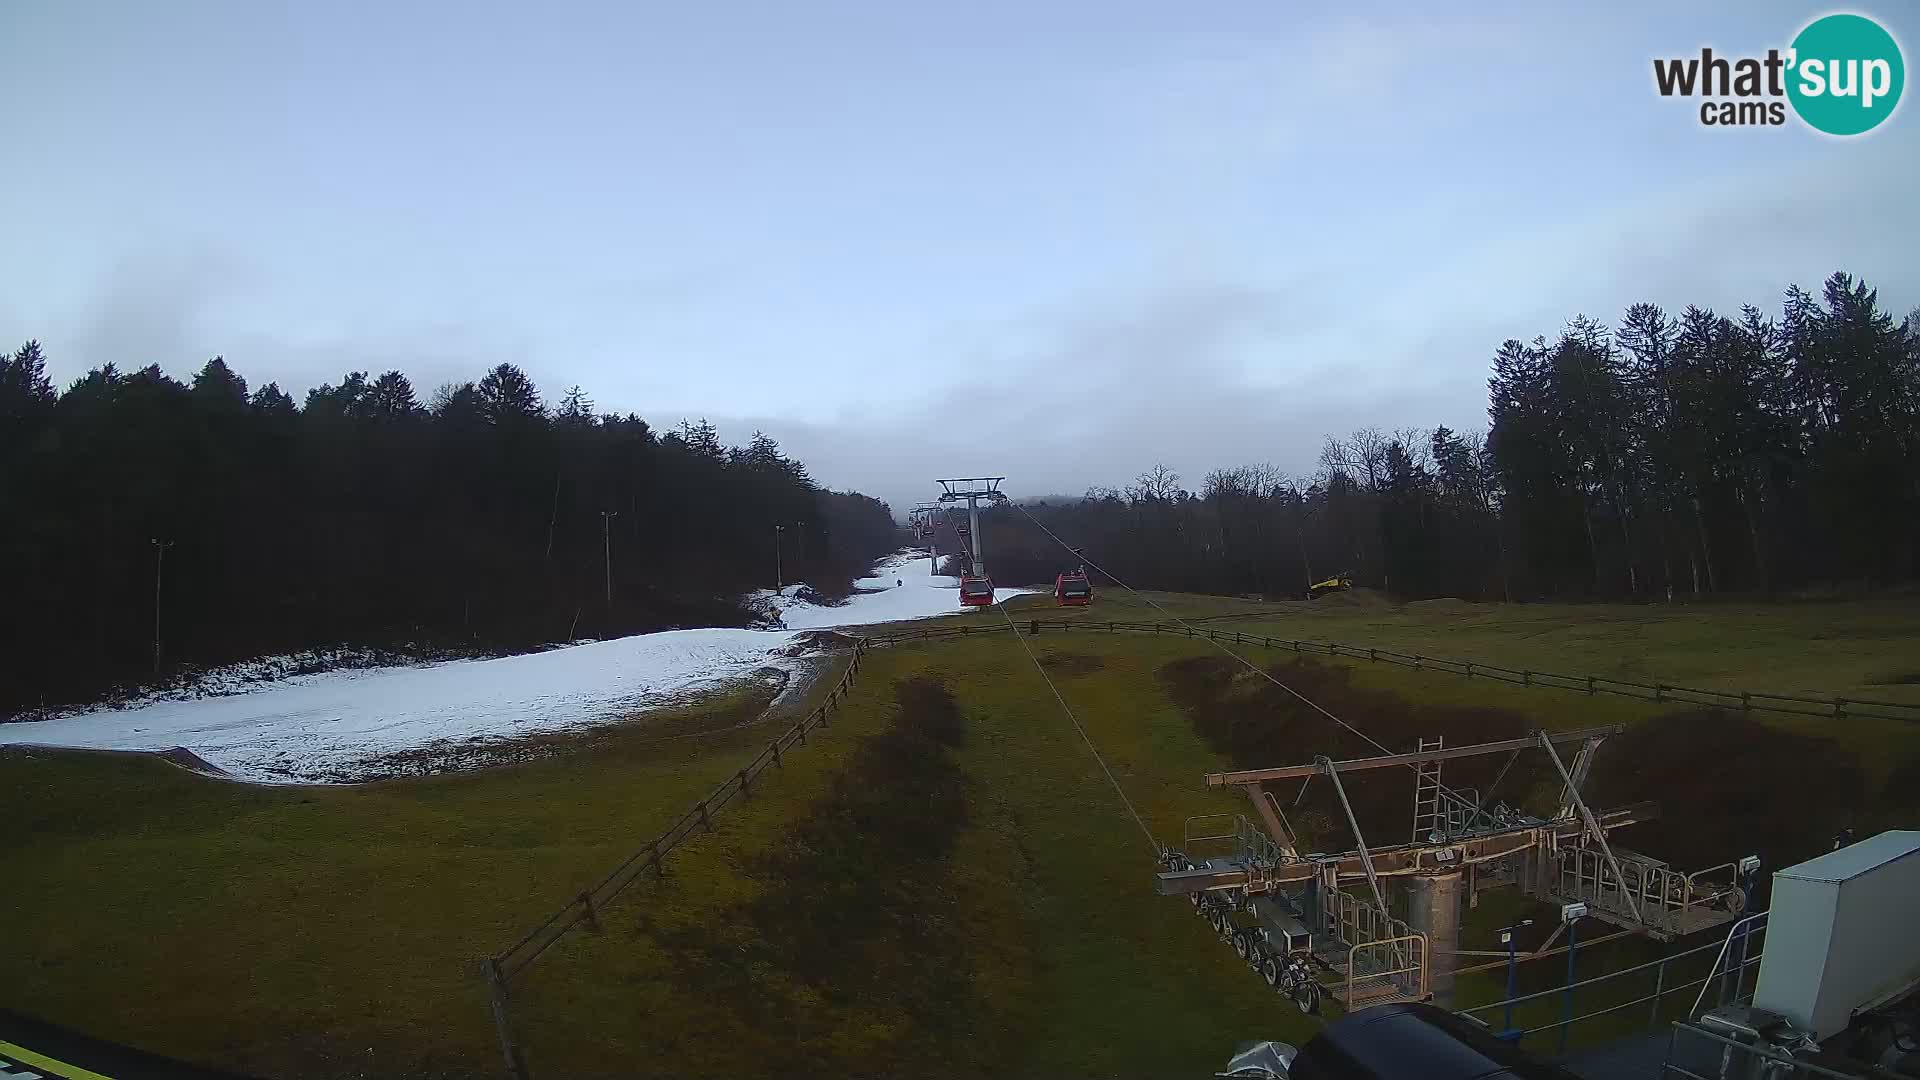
<point x="330" y="932"/>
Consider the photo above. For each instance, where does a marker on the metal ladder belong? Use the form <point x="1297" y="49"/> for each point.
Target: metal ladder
<point x="1427" y="817"/>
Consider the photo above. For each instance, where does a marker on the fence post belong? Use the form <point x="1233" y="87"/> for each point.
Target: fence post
<point x="1469" y="669"/>
<point x="1746" y="701"/>
<point x="1526" y="678"/>
<point x="1033" y="628"/>
<point x="497" y="996"/>
<point x="1659" y="691"/>
<point x="1589" y="686"/>
<point x="746" y="785"/>
<point x="1839" y="708"/>
<point x="659" y="865"/>
<point x="1373" y="654"/>
<point x="775" y="747"/>
<point x="1418" y="660"/>
<point x="705" y="821"/>
<point x="593" y="914"/>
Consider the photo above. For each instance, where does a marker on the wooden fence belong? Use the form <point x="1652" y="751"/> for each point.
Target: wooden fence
<point x="502" y="967"/>
<point x="1836" y="706"/>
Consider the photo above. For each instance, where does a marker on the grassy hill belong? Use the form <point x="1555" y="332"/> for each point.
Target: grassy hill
<point x="943" y="881"/>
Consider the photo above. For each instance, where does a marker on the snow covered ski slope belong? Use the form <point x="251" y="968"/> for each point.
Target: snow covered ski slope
<point x="900" y="586"/>
<point x="350" y="725"/>
<point x="344" y="725"/>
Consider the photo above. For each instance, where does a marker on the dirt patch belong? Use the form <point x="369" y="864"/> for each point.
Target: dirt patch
<point x="1066" y="663"/>
<point x="1727" y="785"/>
<point x="1900" y="678"/>
<point x="1353" y="600"/>
<point x="848" y="915"/>
<point x="1730" y="786"/>
<point x="1439" y="605"/>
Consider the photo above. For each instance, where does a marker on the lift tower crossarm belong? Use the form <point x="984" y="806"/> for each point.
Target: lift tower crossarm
<point x="1298" y="772"/>
<point x="973" y="490"/>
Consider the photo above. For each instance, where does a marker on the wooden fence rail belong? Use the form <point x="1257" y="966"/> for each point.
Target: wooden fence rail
<point x="1838" y="707"/>
<point x="502" y="967"/>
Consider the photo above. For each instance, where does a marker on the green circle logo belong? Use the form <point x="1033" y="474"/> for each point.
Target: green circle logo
<point x="1846" y="74"/>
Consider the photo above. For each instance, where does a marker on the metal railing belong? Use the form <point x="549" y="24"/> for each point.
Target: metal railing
<point x="1694" y="1053"/>
<point x="1230" y="834"/>
<point x="1732" y="960"/>
<point x="1361" y="922"/>
<point x="1728" y="972"/>
<point x="502" y="967"/>
<point x="1838" y="707"/>
<point x="1391" y="968"/>
<point x="1667" y="897"/>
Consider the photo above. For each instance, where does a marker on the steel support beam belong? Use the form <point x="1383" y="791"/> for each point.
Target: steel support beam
<point x="1295" y="772"/>
<point x="1276" y="822"/>
<point x="1593" y="827"/>
<point x="1400" y="859"/>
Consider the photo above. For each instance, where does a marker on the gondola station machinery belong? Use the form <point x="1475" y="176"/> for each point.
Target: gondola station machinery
<point x="976" y="588"/>
<point x="1309" y="923"/>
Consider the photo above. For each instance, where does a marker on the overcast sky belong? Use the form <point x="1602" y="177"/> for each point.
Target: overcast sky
<point x="1057" y="241"/>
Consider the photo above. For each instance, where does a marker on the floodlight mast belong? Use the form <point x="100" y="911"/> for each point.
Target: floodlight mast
<point x="974" y="490"/>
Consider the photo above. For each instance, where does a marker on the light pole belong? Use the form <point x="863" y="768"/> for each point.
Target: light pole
<point x="159" y="559"/>
<point x="606" y="543"/>
<point x="779" y="580"/>
<point x="1513" y="973"/>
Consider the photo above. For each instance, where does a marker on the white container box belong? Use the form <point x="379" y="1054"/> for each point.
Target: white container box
<point x="1843" y="933"/>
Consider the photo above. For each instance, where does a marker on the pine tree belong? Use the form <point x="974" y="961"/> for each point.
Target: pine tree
<point x="217" y="388"/>
<point x="391" y="398"/>
<point x="25" y="390"/>
<point x="508" y="397"/>
<point x="271" y="401"/>
<point x="576" y="409"/>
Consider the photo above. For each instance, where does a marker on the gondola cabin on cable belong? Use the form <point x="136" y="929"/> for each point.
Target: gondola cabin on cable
<point x="1072" y="589"/>
<point x="976" y="591"/>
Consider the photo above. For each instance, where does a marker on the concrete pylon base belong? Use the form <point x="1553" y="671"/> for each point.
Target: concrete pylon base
<point x="1433" y="903"/>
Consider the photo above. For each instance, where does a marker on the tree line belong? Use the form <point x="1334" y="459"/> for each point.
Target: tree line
<point x="1699" y="453"/>
<point x="152" y="523"/>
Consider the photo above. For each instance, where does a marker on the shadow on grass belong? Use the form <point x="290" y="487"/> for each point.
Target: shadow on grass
<point x="840" y="959"/>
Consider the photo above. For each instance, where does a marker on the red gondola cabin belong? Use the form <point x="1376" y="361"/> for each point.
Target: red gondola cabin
<point x="976" y="591"/>
<point x="1072" y="589"/>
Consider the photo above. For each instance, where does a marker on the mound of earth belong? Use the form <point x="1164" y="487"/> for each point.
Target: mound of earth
<point x="1439" y="604"/>
<point x="1353" y="599"/>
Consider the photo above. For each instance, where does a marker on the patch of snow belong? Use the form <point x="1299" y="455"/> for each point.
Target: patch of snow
<point x="900" y="587"/>
<point x="246" y="676"/>
<point x="338" y="725"/>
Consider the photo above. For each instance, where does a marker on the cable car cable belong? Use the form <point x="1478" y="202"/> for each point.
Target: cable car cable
<point x="1248" y="664"/>
<point x="1075" y="721"/>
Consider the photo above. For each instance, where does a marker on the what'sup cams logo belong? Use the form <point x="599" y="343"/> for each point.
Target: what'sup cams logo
<point x="1842" y="75"/>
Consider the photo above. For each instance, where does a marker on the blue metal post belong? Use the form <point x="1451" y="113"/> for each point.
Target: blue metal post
<point x="1513" y="976"/>
<point x="1566" y="1009"/>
